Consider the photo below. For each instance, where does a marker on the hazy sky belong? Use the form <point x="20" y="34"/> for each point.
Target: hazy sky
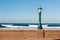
<point x="25" y="11"/>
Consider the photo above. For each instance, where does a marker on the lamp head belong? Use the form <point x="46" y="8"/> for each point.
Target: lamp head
<point x="39" y="9"/>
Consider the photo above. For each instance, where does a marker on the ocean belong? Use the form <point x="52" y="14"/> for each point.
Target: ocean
<point x="27" y="24"/>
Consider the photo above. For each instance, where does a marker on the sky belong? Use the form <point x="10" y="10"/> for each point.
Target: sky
<point x="25" y="11"/>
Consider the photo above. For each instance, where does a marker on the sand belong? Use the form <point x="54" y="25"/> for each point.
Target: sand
<point x="26" y="39"/>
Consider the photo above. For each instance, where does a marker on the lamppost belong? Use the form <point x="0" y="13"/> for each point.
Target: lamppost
<point x="39" y="11"/>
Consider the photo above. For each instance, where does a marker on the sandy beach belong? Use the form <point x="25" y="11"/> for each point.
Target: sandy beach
<point x="26" y="39"/>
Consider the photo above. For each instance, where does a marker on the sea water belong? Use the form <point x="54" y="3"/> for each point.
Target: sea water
<point x="27" y="24"/>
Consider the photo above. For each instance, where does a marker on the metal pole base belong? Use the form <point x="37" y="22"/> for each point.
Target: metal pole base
<point x="39" y="27"/>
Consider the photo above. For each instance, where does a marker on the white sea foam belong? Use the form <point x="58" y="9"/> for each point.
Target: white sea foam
<point x="33" y="26"/>
<point x="46" y="27"/>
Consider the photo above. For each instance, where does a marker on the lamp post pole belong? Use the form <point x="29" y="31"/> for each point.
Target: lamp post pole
<point x="40" y="25"/>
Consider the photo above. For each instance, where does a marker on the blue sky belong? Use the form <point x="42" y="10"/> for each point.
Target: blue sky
<point x="25" y="11"/>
